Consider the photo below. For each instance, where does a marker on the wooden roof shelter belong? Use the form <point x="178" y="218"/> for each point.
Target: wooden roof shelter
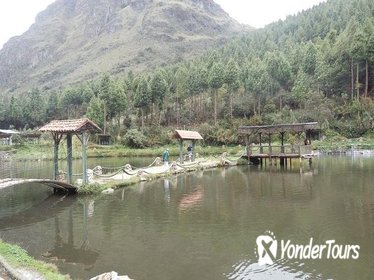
<point x="71" y="126"/>
<point x="278" y="128"/>
<point x="182" y="135"/>
<point x="187" y="135"/>
<point x="269" y="130"/>
<point x="82" y="128"/>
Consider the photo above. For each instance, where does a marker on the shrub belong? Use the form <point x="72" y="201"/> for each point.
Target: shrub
<point x="135" y="139"/>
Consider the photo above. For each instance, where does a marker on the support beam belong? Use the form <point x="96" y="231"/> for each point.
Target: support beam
<point x="282" y="142"/>
<point x="56" y="139"/>
<point x="282" y="149"/>
<point x="180" y="151"/>
<point x="270" y="147"/>
<point x="270" y="150"/>
<point x="69" y="144"/>
<point x="85" y="138"/>
<point x="193" y="150"/>
<point x="248" y="146"/>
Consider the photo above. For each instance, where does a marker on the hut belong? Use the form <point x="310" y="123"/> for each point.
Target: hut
<point x="6" y="136"/>
<point x="281" y="129"/>
<point x="183" y="135"/>
<point x="104" y="139"/>
<point x="82" y="128"/>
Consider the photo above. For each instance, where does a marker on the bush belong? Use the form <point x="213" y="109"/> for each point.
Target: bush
<point x="135" y="139"/>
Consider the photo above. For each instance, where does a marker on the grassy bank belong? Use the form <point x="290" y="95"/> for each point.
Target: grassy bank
<point x="22" y="264"/>
<point x="44" y="151"/>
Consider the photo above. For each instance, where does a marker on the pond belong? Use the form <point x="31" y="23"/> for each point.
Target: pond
<point x="201" y="225"/>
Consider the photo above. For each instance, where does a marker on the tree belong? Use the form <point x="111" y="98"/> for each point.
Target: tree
<point x="95" y="111"/>
<point x="158" y="87"/>
<point x="216" y="80"/>
<point x="232" y="79"/>
<point x="34" y="111"/>
<point x="142" y="97"/>
<point x="301" y="89"/>
<point x="52" y="107"/>
<point x="181" y="89"/>
<point x="309" y="61"/>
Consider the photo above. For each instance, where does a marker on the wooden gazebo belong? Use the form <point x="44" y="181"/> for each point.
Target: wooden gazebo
<point x="182" y="135"/>
<point x="282" y="129"/>
<point x="82" y="128"/>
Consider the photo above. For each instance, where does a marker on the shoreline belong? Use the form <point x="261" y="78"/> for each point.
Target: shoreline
<point x="16" y="263"/>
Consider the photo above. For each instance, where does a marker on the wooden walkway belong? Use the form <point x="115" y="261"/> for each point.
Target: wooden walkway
<point x="56" y="185"/>
<point x="260" y="158"/>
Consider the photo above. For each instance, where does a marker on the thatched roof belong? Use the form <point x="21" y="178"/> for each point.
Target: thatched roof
<point x="278" y="128"/>
<point x="187" y="135"/>
<point x="71" y="126"/>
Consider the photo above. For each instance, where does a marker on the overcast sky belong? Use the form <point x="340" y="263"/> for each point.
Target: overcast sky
<point x="16" y="16"/>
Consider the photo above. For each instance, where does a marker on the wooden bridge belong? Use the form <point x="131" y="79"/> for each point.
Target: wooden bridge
<point x="57" y="186"/>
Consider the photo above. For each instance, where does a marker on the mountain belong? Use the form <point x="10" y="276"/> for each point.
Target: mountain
<point x="76" y="40"/>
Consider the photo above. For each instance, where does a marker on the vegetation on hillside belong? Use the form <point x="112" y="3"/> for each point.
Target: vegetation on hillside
<point x="315" y="66"/>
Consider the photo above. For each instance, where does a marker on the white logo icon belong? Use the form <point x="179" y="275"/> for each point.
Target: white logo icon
<point x="266" y="248"/>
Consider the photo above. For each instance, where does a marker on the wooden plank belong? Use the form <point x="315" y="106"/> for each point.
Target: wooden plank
<point x="9" y="182"/>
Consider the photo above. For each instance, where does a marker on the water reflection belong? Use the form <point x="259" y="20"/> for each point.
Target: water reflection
<point x="66" y="251"/>
<point x="41" y="211"/>
<point x="204" y="225"/>
<point x="192" y="199"/>
<point x="167" y="190"/>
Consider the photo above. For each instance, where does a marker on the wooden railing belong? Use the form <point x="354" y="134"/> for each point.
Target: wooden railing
<point x="279" y="149"/>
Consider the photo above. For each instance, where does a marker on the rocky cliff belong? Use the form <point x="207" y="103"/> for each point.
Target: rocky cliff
<point x="76" y="40"/>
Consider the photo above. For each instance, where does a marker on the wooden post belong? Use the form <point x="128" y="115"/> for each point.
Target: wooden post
<point x="55" y="159"/>
<point x="270" y="149"/>
<point x="69" y="158"/>
<point x="56" y="139"/>
<point x="85" y="137"/>
<point x="181" y="151"/>
<point x="84" y="141"/>
<point x="193" y="150"/>
<point x="261" y="148"/>
<point x="247" y="147"/>
<point x="282" y="149"/>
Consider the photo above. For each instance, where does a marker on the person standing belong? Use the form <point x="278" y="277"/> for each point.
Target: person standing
<point x="189" y="152"/>
<point x="165" y="158"/>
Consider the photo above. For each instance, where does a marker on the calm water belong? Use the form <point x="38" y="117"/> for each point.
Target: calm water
<point x="202" y="225"/>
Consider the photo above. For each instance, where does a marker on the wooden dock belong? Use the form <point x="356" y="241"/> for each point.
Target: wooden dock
<point x="260" y="153"/>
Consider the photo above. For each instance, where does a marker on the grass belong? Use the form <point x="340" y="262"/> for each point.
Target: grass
<point x="18" y="257"/>
<point x="335" y="145"/>
<point x="44" y="151"/>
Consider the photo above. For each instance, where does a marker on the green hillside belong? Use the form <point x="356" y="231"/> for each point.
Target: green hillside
<point x="315" y="66"/>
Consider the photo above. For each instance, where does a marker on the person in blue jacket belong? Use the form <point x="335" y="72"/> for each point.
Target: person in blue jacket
<point x="165" y="157"/>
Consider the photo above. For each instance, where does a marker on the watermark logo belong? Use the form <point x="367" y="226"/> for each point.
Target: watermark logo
<point x="267" y="246"/>
<point x="267" y="250"/>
